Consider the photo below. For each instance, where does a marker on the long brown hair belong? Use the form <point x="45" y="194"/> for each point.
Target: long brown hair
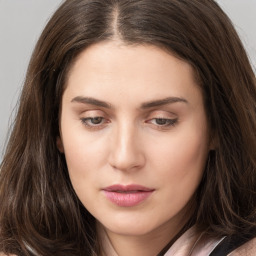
<point x="40" y="212"/>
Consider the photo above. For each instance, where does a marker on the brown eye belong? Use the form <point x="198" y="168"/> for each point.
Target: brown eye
<point x="163" y="121"/>
<point x="93" y="121"/>
<point x="96" y="120"/>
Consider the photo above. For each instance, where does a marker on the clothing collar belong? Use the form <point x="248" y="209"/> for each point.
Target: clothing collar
<point x="189" y="244"/>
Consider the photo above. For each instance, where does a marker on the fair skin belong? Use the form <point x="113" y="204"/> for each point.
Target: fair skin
<point x="134" y="115"/>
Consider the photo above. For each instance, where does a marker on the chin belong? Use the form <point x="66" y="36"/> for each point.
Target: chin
<point x="134" y="228"/>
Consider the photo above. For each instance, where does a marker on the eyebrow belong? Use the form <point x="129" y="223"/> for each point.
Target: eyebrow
<point x="162" y="102"/>
<point x="150" y="104"/>
<point x="91" y="101"/>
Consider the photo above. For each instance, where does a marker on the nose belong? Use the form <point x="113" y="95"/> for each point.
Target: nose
<point x="126" y="153"/>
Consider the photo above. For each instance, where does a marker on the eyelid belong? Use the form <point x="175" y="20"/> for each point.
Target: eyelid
<point x="164" y="122"/>
<point x="93" y="112"/>
<point x="161" y="120"/>
<point x="87" y="116"/>
<point x="87" y="122"/>
<point x="161" y="114"/>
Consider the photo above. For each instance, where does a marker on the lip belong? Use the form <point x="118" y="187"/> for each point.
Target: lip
<point x="127" y="195"/>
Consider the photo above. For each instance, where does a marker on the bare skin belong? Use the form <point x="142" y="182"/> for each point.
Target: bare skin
<point x="134" y="115"/>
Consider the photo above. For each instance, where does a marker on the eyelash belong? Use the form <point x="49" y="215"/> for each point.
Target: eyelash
<point x="85" y="121"/>
<point x="165" y="122"/>
<point x="159" y="123"/>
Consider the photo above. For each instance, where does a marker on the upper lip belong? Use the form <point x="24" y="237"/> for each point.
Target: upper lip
<point x="132" y="187"/>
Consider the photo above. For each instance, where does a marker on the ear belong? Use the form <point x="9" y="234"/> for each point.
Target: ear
<point x="59" y="144"/>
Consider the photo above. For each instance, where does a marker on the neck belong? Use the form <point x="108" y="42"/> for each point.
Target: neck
<point x="149" y="244"/>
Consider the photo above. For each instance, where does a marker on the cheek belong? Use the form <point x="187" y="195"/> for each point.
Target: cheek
<point x="84" y="154"/>
<point x="82" y="166"/>
<point x="83" y="158"/>
<point x="180" y="159"/>
<point x="179" y="172"/>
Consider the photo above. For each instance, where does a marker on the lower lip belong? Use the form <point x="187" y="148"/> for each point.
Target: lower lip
<point x="127" y="199"/>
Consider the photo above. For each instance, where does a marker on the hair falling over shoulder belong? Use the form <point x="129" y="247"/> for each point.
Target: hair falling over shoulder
<point x="40" y="212"/>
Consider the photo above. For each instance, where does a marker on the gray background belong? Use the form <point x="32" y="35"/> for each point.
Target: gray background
<point x="21" y="22"/>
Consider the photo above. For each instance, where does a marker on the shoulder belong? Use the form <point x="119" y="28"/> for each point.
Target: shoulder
<point x="247" y="249"/>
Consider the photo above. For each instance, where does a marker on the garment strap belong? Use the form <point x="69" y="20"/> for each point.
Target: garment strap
<point x="230" y="243"/>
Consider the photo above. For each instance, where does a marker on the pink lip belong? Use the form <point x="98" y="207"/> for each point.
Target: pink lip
<point x="127" y="196"/>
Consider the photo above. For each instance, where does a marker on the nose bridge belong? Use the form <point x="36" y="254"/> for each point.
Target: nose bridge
<point x="126" y="153"/>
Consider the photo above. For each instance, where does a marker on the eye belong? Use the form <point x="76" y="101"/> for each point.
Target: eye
<point x="93" y="121"/>
<point x="163" y="122"/>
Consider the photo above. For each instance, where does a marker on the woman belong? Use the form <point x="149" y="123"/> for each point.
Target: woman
<point x="135" y="135"/>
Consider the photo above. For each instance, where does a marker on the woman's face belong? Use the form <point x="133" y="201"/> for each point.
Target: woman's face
<point x="135" y="136"/>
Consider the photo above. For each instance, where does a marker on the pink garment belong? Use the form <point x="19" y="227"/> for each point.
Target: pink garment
<point x="189" y="244"/>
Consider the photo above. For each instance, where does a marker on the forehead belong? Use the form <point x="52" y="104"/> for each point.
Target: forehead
<point x="113" y="67"/>
<point x="103" y="54"/>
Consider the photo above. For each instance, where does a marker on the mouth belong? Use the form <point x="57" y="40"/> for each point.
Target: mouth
<point x="127" y="196"/>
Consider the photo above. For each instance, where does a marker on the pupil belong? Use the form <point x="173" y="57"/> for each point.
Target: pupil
<point x="96" y="120"/>
<point x="161" y="121"/>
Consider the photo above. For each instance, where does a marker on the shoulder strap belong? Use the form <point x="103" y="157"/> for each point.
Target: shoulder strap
<point x="229" y="244"/>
